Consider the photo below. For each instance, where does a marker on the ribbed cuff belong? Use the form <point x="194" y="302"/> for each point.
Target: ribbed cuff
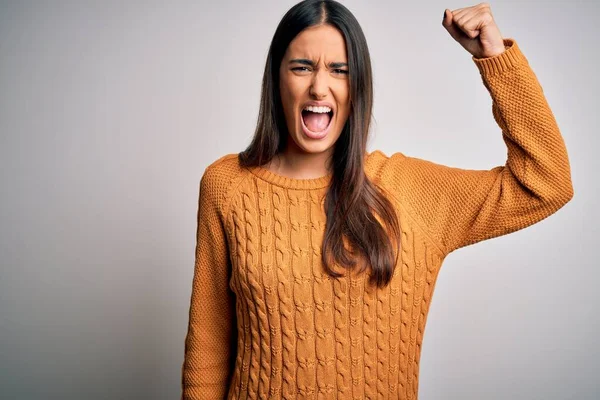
<point x="509" y="58"/>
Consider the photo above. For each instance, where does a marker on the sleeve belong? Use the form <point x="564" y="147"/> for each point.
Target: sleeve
<point x="210" y="341"/>
<point x="459" y="207"/>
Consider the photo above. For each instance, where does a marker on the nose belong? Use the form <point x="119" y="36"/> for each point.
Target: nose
<point x="319" y="85"/>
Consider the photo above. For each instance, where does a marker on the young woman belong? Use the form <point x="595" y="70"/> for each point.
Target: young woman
<point x="316" y="261"/>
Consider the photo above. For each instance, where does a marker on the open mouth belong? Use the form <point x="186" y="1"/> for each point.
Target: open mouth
<point x="317" y="119"/>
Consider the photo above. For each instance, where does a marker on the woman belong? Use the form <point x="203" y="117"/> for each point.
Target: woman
<point x="316" y="261"/>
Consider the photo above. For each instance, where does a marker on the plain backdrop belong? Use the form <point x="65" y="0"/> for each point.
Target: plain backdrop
<point x="110" y="111"/>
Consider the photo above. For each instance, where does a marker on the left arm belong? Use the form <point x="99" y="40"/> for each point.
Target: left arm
<point x="458" y="207"/>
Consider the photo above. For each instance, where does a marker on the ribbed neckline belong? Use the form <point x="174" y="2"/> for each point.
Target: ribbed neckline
<point x="291" y="183"/>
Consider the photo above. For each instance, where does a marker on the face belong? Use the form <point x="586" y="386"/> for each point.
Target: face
<point x="314" y="87"/>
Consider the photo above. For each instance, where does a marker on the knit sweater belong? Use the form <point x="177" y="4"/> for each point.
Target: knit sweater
<point x="266" y="321"/>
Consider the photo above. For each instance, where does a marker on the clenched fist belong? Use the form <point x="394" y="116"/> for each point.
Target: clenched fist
<point x="475" y="29"/>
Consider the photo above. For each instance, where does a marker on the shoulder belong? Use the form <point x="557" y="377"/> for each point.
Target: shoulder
<point x="223" y="168"/>
<point x="398" y="164"/>
<point x="220" y="179"/>
<point x="406" y="176"/>
<point x="377" y="163"/>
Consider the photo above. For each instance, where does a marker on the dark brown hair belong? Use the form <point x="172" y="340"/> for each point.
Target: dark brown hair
<point x="356" y="211"/>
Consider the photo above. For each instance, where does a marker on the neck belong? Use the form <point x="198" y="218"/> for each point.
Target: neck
<point x="297" y="164"/>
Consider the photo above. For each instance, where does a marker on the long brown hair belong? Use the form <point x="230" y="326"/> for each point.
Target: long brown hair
<point x="357" y="212"/>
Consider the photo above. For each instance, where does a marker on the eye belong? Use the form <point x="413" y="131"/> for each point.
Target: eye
<point x="340" y="71"/>
<point x="301" y="69"/>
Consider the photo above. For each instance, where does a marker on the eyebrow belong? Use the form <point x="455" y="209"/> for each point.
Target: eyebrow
<point x="309" y="62"/>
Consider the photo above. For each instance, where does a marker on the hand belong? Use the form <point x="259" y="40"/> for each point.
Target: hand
<point x="475" y="29"/>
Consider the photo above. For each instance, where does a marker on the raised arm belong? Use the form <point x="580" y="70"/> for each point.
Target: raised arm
<point x="210" y="341"/>
<point x="458" y="207"/>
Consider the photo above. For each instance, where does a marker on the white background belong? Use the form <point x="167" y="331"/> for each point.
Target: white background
<point x="110" y="112"/>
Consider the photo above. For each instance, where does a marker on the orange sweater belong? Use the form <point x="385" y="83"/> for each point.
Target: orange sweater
<point x="265" y="321"/>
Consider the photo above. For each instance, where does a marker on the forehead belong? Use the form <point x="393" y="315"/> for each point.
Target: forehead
<point x="317" y="41"/>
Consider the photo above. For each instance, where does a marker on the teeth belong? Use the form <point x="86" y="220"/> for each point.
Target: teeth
<point x="315" y="109"/>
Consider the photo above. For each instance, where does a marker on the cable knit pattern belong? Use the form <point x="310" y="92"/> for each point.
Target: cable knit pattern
<point x="266" y="321"/>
